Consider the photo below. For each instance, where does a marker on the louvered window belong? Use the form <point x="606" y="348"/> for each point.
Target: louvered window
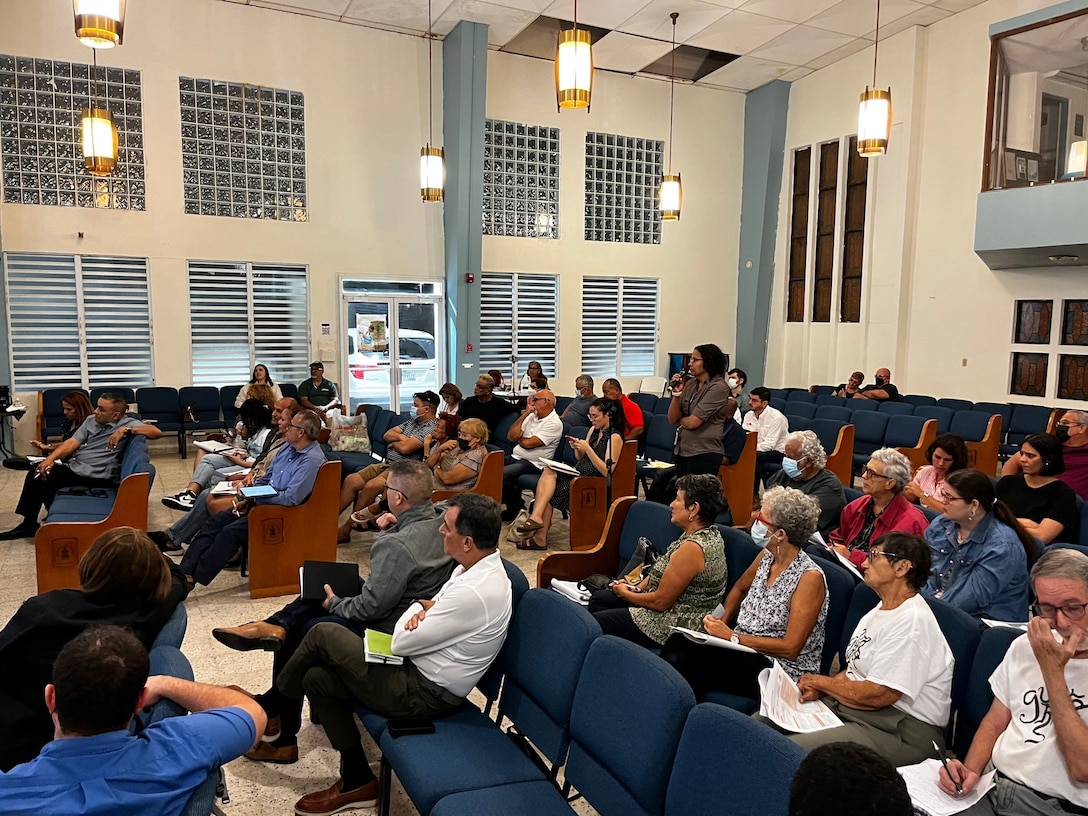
<point x="519" y="322"/>
<point x="619" y="326"/>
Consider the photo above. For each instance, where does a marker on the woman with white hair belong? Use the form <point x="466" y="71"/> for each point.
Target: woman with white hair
<point x="804" y="468"/>
<point x="881" y="510"/>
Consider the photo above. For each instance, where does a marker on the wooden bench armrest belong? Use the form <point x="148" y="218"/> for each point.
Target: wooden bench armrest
<point x="602" y="558"/>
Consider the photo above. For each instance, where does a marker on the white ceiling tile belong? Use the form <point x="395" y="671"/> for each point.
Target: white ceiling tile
<point x="624" y="52"/>
<point x="795" y="74"/>
<point x="402" y="14"/>
<point x="922" y="17"/>
<point x="747" y="73"/>
<point x="840" y="53"/>
<point x="654" y="21"/>
<point x="323" y="7"/>
<point x="801" y="45"/>
<point x="601" y="13"/>
<point x="956" y="6"/>
<point x="503" y="24"/>
<point x="740" y="33"/>
<point x="296" y="9"/>
<point x="795" y="11"/>
<point x="858" y="17"/>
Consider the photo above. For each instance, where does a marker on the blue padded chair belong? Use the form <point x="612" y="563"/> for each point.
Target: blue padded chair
<point x="797" y="423"/>
<point x="124" y="391"/>
<point x="1081" y="548"/>
<point x="778" y="404"/>
<point x="955" y="404"/>
<point x="660" y="437"/>
<point x="869" y="429"/>
<point x="720" y="755"/>
<point x="52" y="411"/>
<point x="827" y="431"/>
<point x="646" y="520"/>
<point x="992" y="647"/>
<point x="823" y="390"/>
<point x="227" y="395"/>
<point x="889" y="407"/>
<point x="501" y="431"/>
<point x="941" y="414"/>
<point x="378" y="428"/>
<point x="647" y="402"/>
<point x="562" y="403"/>
<point x="545" y="648"/>
<point x="662" y="405"/>
<point x="204" y="402"/>
<point x="621" y="773"/>
<point x="840" y="413"/>
<point x="1003" y="409"/>
<point x="904" y="431"/>
<point x="801" y="396"/>
<point x="1024" y="421"/>
<point x="779" y="393"/>
<point x="563" y="453"/>
<point x="647" y="421"/>
<point x="828" y="399"/>
<point x="919" y="399"/>
<point x="160" y="404"/>
<point x="740" y="552"/>
<point x="802" y="409"/>
<point x="289" y="390"/>
<point x="856" y="405"/>
<point x="970" y="425"/>
<point x="840" y="593"/>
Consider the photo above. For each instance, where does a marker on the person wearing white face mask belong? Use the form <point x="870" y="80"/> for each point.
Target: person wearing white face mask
<point x="737" y="381"/>
<point x="778" y="607"/>
<point x="803" y="468"/>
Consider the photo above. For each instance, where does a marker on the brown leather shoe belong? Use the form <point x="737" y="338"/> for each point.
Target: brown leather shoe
<point x="267" y="752"/>
<point x="333" y="799"/>
<point x="250" y="636"/>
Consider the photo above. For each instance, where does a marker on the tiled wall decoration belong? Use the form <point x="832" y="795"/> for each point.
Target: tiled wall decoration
<point x="1029" y="371"/>
<point x="1075" y="323"/>
<point x="622" y="177"/>
<point x="41" y="102"/>
<point x="243" y="150"/>
<point x="1073" y="377"/>
<point x="1033" y="320"/>
<point x="521" y="180"/>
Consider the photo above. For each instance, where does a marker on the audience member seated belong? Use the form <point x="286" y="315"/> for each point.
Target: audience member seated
<point x="292" y="476"/>
<point x="90" y="457"/>
<point x="451" y="399"/>
<point x="577" y="413"/>
<point x="882" y="389"/>
<point x="894" y="695"/>
<point x="318" y="394"/>
<point x="497" y="380"/>
<point x="1072" y="431"/>
<point x="1045" y="506"/>
<point x="123" y="580"/>
<point x="537" y="433"/>
<point x="882" y="509"/>
<point x="95" y="765"/>
<point x="663" y="486"/>
<point x="682" y="586"/>
<point x="528" y="381"/>
<point x="850" y="388"/>
<point x="76" y="407"/>
<point x="254" y="432"/>
<point x="592" y="453"/>
<point x="456" y="457"/>
<point x="737" y="381"/>
<point x="771" y="427"/>
<point x="804" y="469"/>
<point x="186" y="528"/>
<point x="778" y="607"/>
<point x="407" y="563"/>
<point x="1035" y="730"/>
<point x="632" y="414"/>
<point x="848" y="779"/>
<point x="946" y="455"/>
<point x="980" y="552"/>
<point x="483" y="405"/>
<point x="699" y="406"/>
<point x="260" y="387"/>
<point x="448" y="643"/>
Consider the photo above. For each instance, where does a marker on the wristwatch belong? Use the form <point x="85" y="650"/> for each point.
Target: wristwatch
<point x="734" y="638"/>
<point x="128" y="430"/>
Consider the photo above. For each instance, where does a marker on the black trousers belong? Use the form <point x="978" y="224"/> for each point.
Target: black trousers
<point x="710" y="668"/>
<point x="614" y="616"/>
<point x="663" y="488"/>
<point x="41" y="491"/>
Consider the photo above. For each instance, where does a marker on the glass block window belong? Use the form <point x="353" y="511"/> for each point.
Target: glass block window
<point x="243" y="150"/>
<point x="1028" y="374"/>
<point x="242" y="314"/>
<point x="78" y="321"/>
<point x="41" y="102"/>
<point x="619" y="326"/>
<point x="622" y="177"/>
<point x="1033" y="319"/>
<point x="521" y="180"/>
<point x="519" y="320"/>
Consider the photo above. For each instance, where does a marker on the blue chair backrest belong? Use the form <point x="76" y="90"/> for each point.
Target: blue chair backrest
<point x="1025" y="421"/>
<point x="955" y="404"/>
<point x="801" y="396"/>
<point x="1082" y="547"/>
<point x="740" y="552"/>
<point x="869" y="428"/>
<point x="828" y="399"/>
<point x="660" y="437"/>
<point x="385" y="420"/>
<point x="851" y="494"/>
<point x="824" y="390"/>
<point x="619" y="773"/>
<point x="919" y="399"/>
<point x="562" y="403"/>
<point x="992" y="647"/>
<point x="1002" y="408"/>
<point x="720" y="749"/>
<point x="644" y="401"/>
<point x="779" y="393"/>
<point x="371" y="413"/>
<point x="837" y="412"/>
<point x="502" y="429"/>
<point x="649" y="519"/>
<point x="53" y="409"/>
<point x="804" y="409"/>
<point x="544" y="652"/>
<point x="136" y="458"/>
<point x="647" y="421"/>
<point x="856" y="405"/>
<point x="124" y="391"/>
<point x="797" y="423"/>
<point x="942" y="415"/>
<point x="889" y="407"/>
<point x="662" y="405"/>
<point x="840" y="591"/>
<point x="204" y="400"/>
<point x="971" y="425"/>
<point x="778" y="404"/>
<point x="903" y="431"/>
<point x="827" y="431"/>
<point x="290" y="390"/>
<point x="491" y="682"/>
<point x="161" y="404"/>
<point x="227" y="395"/>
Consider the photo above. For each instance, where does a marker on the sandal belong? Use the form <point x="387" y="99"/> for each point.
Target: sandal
<point x="529" y="544"/>
<point x="367" y="526"/>
<point x="529" y="526"/>
<point x="362" y="516"/>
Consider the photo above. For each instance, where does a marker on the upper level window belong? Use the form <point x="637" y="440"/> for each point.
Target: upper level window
<point x="1039" y="98"/>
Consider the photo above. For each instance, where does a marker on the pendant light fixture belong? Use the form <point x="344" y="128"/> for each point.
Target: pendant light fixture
<point x="671" y="194"/>
<point x="99" y="23"/>
<point x="574" y="67"/>
<point x="99" y="133"/>
<point x="875" y="110"/>
<point x="432" y="162"/>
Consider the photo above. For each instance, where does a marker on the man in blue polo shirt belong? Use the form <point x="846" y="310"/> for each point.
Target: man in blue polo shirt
<point x="95" y="766"/>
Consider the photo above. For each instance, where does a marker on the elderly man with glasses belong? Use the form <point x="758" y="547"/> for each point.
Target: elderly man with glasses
<point x="1036" y="731"/>
<point x="1072" y="430"/>
<point x="292" y="476"/>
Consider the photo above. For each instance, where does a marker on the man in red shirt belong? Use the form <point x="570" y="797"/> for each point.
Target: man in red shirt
<point x="612" y="390"/>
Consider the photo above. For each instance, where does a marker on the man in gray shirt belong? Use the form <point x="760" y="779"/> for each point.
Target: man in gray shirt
<point x="407" y="562"/>
<point x="577" y="413"/>
<point x="91" y="458"/>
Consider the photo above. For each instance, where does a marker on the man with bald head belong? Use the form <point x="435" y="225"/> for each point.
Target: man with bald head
<point x="882" y="390"/>
<point x="537" y="433"/>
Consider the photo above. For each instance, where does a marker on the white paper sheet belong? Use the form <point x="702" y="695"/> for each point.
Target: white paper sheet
<point x="780" y="701"/>
<point x="921" y="782"/>
<point x="569" y="589"/>
<point x="994" y="624"/>
<point x="710" y="640"/>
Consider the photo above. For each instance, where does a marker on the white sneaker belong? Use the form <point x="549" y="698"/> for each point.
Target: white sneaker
<point x="180" y="501"/>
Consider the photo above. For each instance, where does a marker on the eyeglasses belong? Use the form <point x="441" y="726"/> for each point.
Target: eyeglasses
<point x="868" y="473"/>
<point x="888" y="555"/>
<point x="1071" y="611"/>
<point x="949" y="499"/>
<point x="296" y="427"/>
<point x="389" y="487"/>
<point x="1071" y="424"/>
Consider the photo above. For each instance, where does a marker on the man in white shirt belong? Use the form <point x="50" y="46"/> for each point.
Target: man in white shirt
<point x="448" y="643"/>
<point x="537" y="433"/>
<point x="771" y="427"/>
<point x="1036" y="731"/>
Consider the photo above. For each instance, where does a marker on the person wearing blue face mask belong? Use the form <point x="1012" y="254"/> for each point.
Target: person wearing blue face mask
<point x="804" y="469"/>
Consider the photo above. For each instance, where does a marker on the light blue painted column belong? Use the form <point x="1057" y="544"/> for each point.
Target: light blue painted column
<point x="464" y="87"/>
<point x="765" y="112"/>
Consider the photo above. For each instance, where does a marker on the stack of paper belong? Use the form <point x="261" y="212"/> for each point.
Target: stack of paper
<point x="929" y="799"/>
<point x="569" y="589"/>
<point x="780" y="701"/>
<point x="378" y="648"/>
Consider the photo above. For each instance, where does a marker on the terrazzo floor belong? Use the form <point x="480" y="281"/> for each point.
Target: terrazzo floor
<point x="256" y="789"/>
